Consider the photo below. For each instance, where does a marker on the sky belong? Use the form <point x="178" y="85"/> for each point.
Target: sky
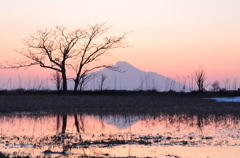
<point x="171" y="37"/>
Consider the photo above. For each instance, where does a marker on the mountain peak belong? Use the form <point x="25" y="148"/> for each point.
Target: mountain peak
<point x="131" y="78"/>
<point x="123" y="65"/>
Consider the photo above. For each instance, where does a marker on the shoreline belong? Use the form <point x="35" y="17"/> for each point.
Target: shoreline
<point x="116" y="102"/>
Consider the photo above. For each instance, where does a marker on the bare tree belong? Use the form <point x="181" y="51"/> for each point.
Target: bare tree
<point x="234" y="86"/>
<point x="57" y="79"/>
<point x="141" y="84"/>
<point x="93" y="48"/>
<point x="149" y="83"/>
<point x="227" y="83"/>
<point x="215" y="86"/>
<point x="101" y="83"/>
<point x="86" y="78"/>
<point x="182" y="83"/>
<point x="200" y="78"/>
<point x="49" y="49"/>
<point x="191" y="79"/>
<point x="115" y="82"/>
<point x="61" y="51"/>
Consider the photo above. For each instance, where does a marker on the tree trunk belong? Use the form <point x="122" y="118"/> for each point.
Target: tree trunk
<point x="58" y="123"/>
<point x="64" y="80"/>
<point x="76" y="123"/>
<point x="64" y="123"/>
<point x="76" y="82"/>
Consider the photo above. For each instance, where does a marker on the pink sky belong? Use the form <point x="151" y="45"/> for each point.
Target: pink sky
<point x="171" y="37"/>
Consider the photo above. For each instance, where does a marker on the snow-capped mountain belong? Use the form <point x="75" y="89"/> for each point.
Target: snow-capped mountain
<point x="128" y="77"/>
<point x="121" y="122"/>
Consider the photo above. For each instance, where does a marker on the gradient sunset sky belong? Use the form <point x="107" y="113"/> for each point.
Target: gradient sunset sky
<point x="171" y="37"/>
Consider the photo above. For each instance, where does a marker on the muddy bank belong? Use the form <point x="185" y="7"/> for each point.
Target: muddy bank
<point x="115" y="102"/>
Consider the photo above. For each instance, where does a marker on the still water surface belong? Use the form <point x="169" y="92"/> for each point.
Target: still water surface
<point x="164" y="135"/>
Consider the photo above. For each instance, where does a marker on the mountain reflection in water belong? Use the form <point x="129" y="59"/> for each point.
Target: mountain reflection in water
<point x="165" y="135"/>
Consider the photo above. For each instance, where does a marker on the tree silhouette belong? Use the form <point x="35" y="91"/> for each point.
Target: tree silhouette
<point x="200" y="79"/>
<point x="59" y="50"/>
<point x="215" y="86"/>
<point x="56" y="78"/>
<point x="93" y="48"/>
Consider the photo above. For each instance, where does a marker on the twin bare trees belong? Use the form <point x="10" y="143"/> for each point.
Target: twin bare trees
<point x="200" y="79"/>
<point x="61" y="51"/>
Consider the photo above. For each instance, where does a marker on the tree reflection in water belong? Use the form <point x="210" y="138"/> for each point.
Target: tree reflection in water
<point x="94" y="135"/>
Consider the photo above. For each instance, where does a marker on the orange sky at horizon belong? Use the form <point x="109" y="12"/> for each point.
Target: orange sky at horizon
<point x="170" y="37"/>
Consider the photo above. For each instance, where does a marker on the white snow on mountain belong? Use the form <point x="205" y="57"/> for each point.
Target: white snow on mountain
<point x="130" y="78"/>
<point x="121" y="122"/>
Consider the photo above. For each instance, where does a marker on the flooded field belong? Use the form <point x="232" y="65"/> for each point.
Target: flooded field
<point x="85" y="135"/>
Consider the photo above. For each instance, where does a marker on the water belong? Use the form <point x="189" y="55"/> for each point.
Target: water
<point x="163" y="135"/>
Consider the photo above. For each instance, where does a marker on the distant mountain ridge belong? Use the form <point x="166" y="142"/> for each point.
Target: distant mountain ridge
<point x="130" y="78"/>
